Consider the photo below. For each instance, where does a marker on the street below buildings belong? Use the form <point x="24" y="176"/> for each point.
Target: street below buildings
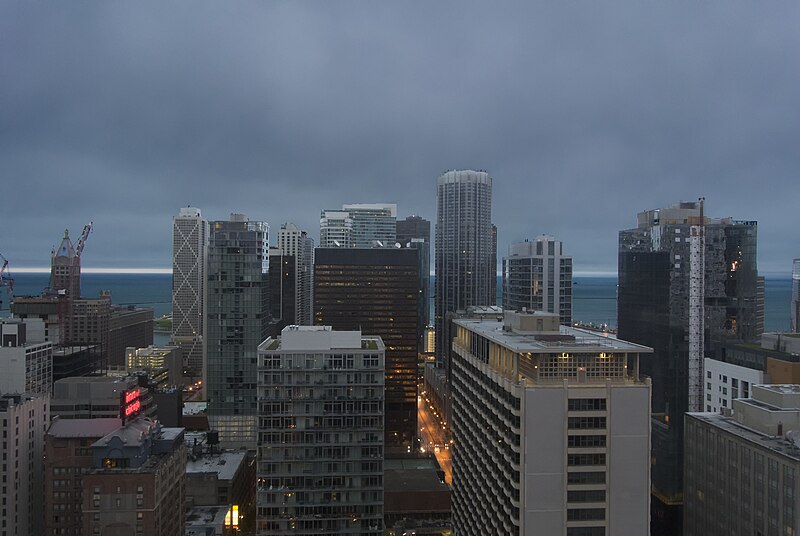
<point x="435" y="437"/>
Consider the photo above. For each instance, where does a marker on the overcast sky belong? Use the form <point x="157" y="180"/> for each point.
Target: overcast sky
<point x="584" y="113"/>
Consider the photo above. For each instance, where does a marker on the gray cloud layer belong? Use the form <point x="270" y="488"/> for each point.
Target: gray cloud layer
<point x="584" y="113"/>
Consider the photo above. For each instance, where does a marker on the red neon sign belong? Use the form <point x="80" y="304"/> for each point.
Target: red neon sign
<point x="130" y="403"/>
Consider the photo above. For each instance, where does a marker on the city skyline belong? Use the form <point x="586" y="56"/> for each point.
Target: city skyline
<point x="280" y="110"/>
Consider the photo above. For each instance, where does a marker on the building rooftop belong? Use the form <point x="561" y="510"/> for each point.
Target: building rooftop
<point x="567" y="339"/>
<point x="131" y="433"/>
<point x="68" y="428"/>
<point x="777" y="444"/>
<point x="224" y="464"/>
<point x="204" y="520"/>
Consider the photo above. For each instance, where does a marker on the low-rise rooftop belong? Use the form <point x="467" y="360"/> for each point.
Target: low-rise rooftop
<point x="224" y="464"/>
<point x="69" y="428"/>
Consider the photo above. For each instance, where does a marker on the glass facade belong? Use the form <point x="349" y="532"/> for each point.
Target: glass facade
<point x="377" y="291"/>
<point x="237" y="318"/>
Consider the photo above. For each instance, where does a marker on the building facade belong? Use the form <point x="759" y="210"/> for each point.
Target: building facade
<point x="320" y="453"/>
<point x="136" y="484"/>
<point x="795" y="313"/>
<point x="551" y="430"/>
<point x="128" y="326"/>
<point x="374" y="224"/>
<point x="537" y="276"/>
<point x="464" y="238"/>
<point x="297" y="244"/>
<point x="23" y="420"/>
<point x="189" y="248"/>
<point x="741" y="471"/>
<point x="236" y="322"/>
<point x="377" y="292"/>
<point x="97" y="397"/>
<point x="684" y="280"/>
<point x="25" y="357"/>
<point x="68" y="455"/>
<point x="416" y="231"/>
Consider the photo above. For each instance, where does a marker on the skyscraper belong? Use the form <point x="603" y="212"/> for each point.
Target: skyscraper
<point x="796" y="296"/>
<point x="684" y="280"/>
<point x="359" y="225"/>
<point x="376" y="291"/>
<point x="236" y="322"/>
<point x="416" y="231"/>
<point x="189" y="245"/>
<point x="296" y="243"/>
<point x="538" y="277"/>
<point x="320" y="456"/>
<point x="551" y="429"/>
<point x="464" y="275"/>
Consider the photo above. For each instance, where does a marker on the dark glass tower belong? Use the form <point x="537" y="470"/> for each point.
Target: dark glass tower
<point x="377" y="292"/>
<point x="654" y="310"/>
<point x="236" y="322"/>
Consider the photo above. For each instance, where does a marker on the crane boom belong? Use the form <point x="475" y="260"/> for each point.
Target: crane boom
<point x="82" y="241"/>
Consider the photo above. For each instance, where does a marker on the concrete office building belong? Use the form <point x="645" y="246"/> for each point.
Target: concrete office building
<point x="464" y="247"/>
<point x="741" y="471"/>
<point x="136" y="484"/>
<point x="735" y="366"/>
<point x="68" y="455"/>
<point x="537" y="276"/>
<point x="551" y="429"/>
<point x="300" y="247"/>
<point x="23" y="420"/>
<point x="335" y="229"/>
<point x="376" y="291"/>
<point x="236" y="322"/>
<point x="97" y="397"/>
<point x="153" y="359"/>
<point x="189" y="248"/>
<point x="685" y="279"/>
<point x="320" y="454"/>
<point x="26" y="359"/>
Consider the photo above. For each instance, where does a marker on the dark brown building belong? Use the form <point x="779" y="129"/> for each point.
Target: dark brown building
<point x="136" y="486"/>
<point x="377" y="291"/>
<point x="128" y="326"/>
<point x="67" y="456"/>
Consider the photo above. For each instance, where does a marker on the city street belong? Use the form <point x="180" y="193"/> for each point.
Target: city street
<point x="435" y="438"/>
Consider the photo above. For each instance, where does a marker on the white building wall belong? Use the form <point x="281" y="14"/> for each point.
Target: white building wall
<point x="725" y="382"/>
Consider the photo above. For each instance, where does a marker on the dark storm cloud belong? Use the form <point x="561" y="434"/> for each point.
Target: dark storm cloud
<point x="583" y="113"/>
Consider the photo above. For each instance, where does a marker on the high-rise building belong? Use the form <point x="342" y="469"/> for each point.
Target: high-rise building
<point x="297" y="244"/>
<point x="335" y="229"/>
<point x="23" y="421"/>
<point x="67" y="457"/>
<point x="464" y="247"/>
<point x="26" y="359"/>
<point x="374" y="224"/>
<point x="412" y="230"/>
<point x="413" y="227"/>
<point x="320" y="454"/>
<point x="359" y="225"/>
<point x="282" y="287"/>
<point x="376" y="291"/>
<point x="537" y="276"/>
<point x="65" y="268"/>
<point x="551" y="429"/>
<point x="189" y="246"/>
<point x="684" y="280"/>
<point x="236" y="321"/>
<point x="795" y="296"/>
<point x="128" y="326"/>
<point x="136" y="483"/>
<point x="741" y="471"/>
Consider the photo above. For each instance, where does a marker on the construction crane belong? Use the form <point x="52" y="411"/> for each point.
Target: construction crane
<point x="82" y="240"/>
<point x="6" y="280"/>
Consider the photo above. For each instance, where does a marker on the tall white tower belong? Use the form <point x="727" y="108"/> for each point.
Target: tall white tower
<point x="189" y="247"/>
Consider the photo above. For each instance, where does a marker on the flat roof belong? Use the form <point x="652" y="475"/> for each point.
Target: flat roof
<point x="784" y="389"/>
<point x="778" y="445"/>
<point x="224" y="464"/>
<point x="68" y="428"/>
<point x="584" y="341"/>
